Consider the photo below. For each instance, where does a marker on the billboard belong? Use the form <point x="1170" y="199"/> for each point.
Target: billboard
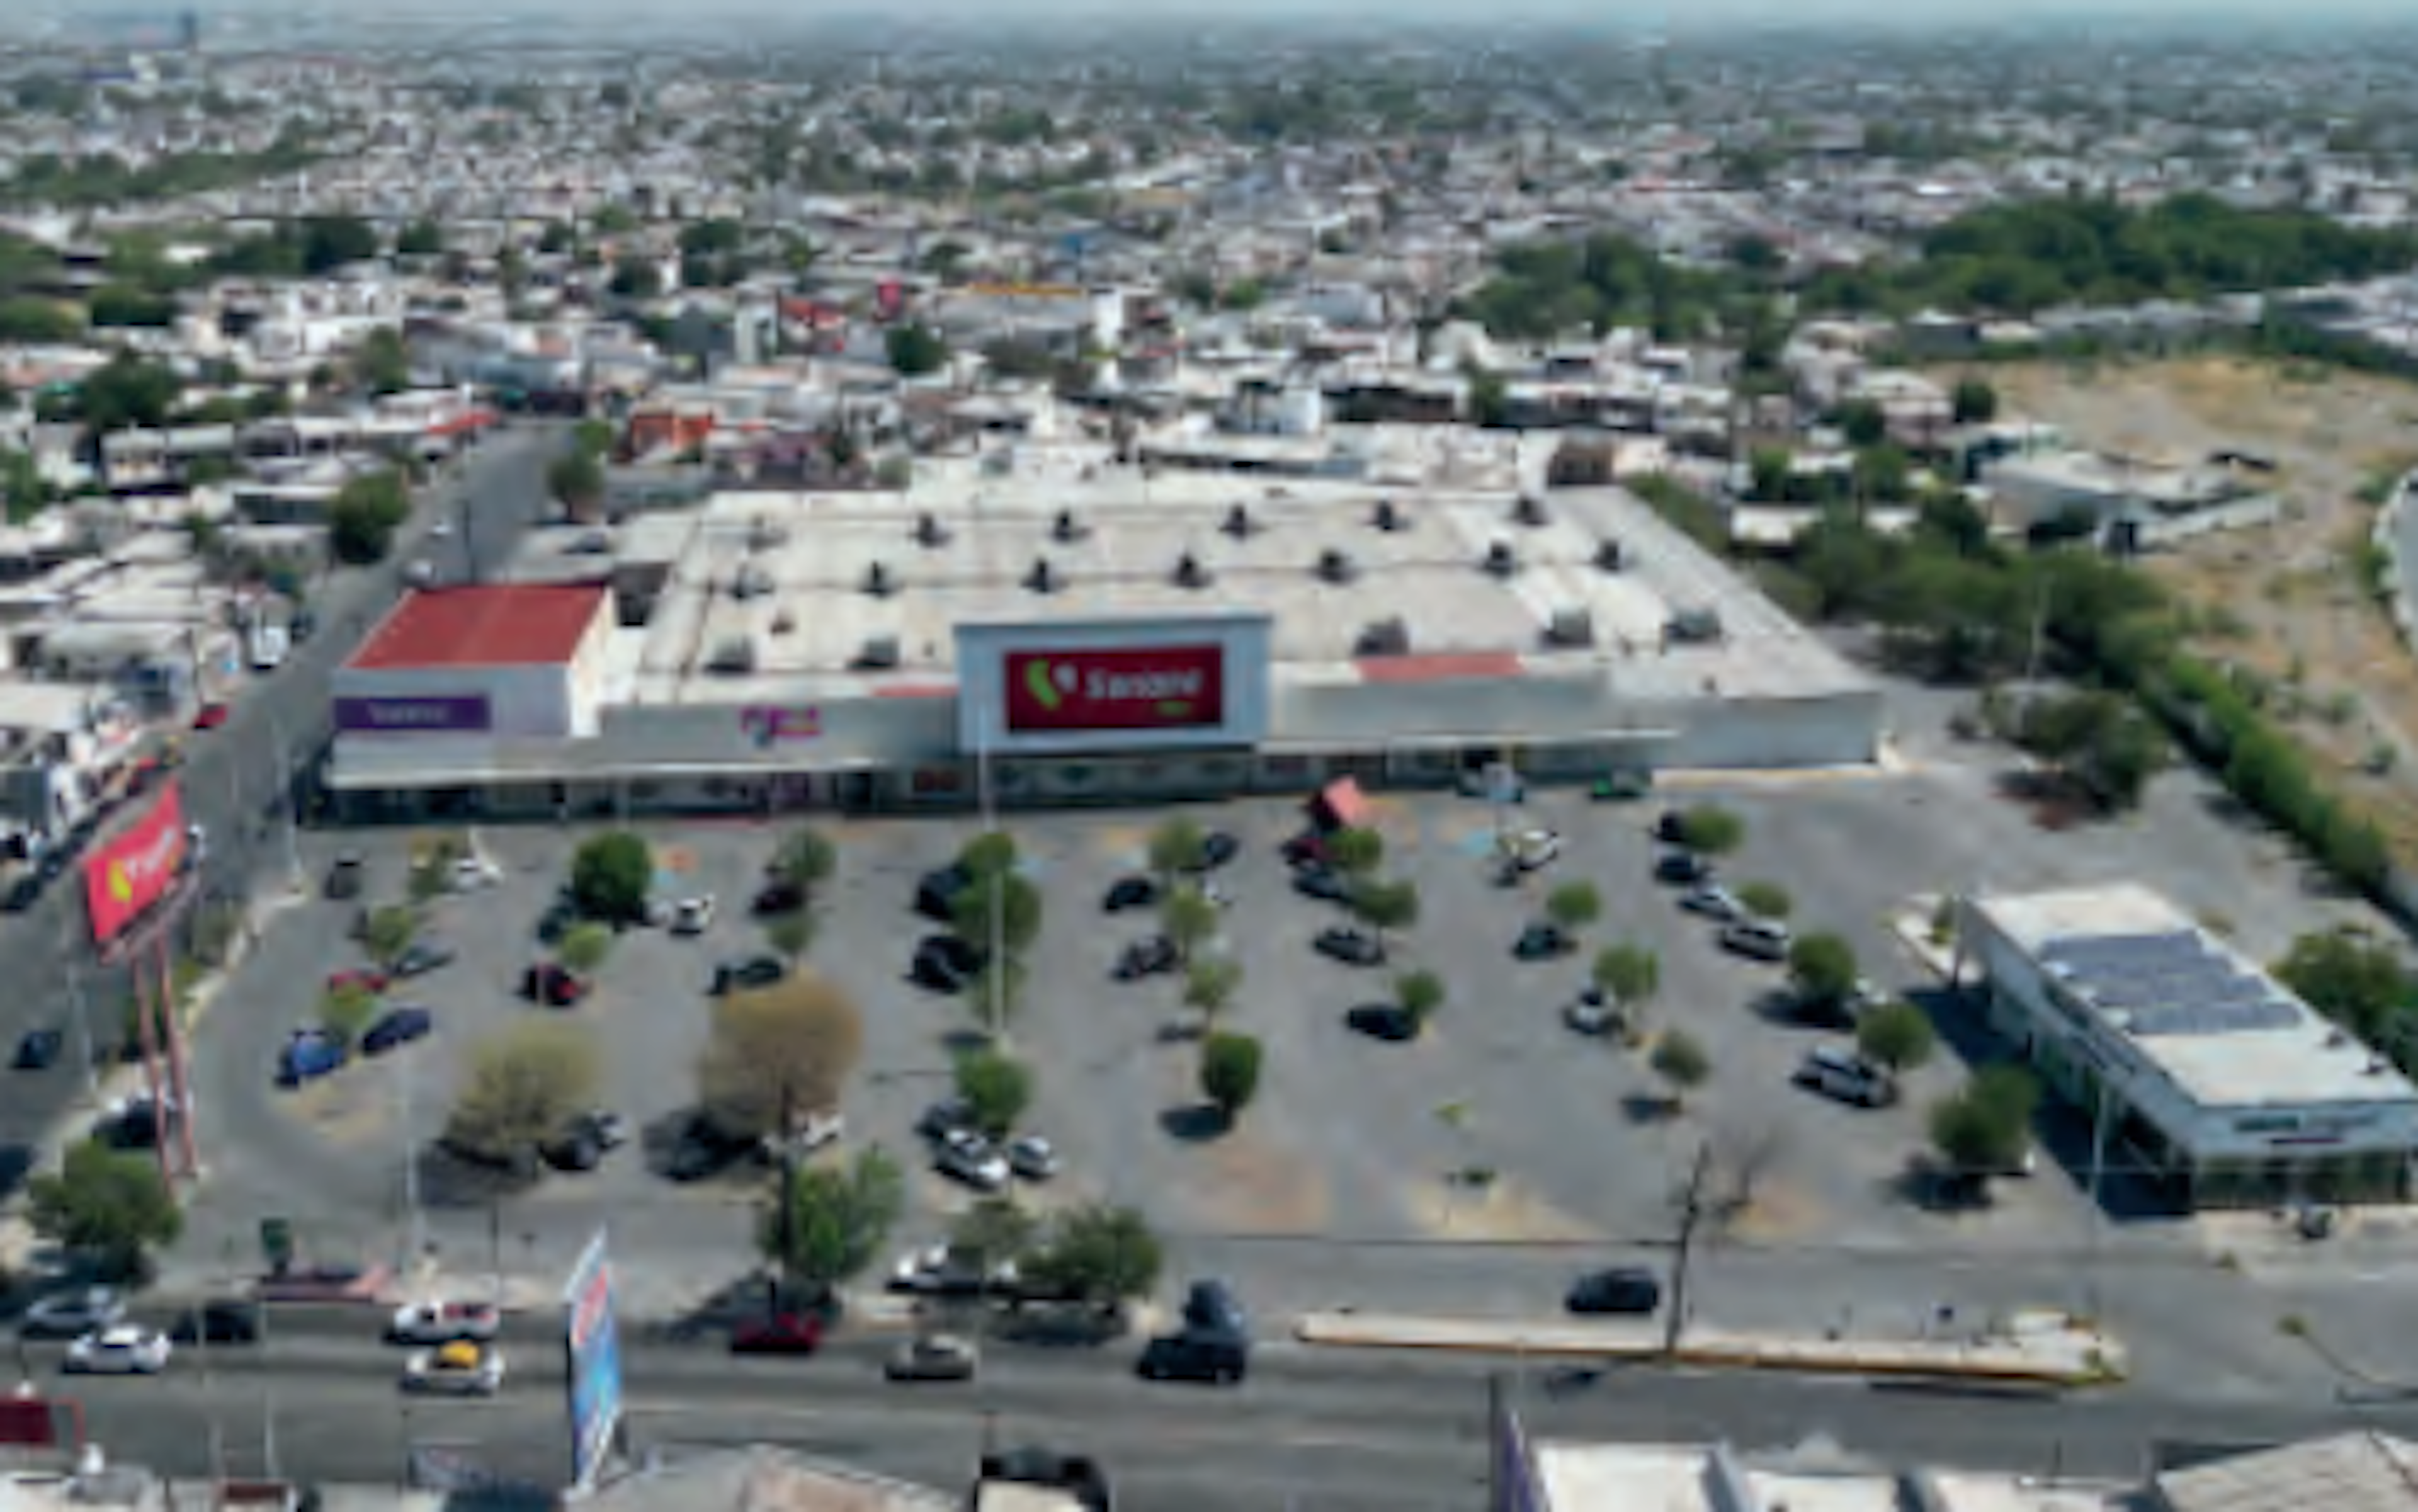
<point x="1154" y="688"/>
<point x="592" y="1349"/>
<point x="137" y="868"/>
<point x="435" y="713"/>
<point x="1113" y="683"/>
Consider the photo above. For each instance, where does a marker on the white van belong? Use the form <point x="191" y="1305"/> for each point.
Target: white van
<point x="269" y="644"/>
<point x="1766" y="940"/>
<point x="1835" y="1071"/>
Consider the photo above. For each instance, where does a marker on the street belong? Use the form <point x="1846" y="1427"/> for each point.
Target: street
<point x="236" y="777"/>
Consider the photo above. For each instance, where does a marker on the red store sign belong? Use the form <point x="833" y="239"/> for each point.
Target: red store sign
<point x="1153" y="687"/>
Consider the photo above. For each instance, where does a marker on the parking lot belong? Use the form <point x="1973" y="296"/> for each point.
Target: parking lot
<point x="1351" y="1152"/>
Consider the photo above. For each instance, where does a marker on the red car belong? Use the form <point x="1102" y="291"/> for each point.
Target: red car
<point x="552" y="984"/>
<point x="210" y="716"/>
<point x="786" y="1333"/>
<point x="365" y="978"/>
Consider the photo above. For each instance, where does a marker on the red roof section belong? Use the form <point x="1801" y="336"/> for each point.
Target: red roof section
<point x="495" y="624"/>
<point x="1440" y="666"/>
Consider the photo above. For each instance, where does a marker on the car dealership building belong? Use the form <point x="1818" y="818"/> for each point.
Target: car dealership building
<point x="1079" y="639"/>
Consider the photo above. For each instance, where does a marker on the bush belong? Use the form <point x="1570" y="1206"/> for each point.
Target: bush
<point x="1710" y="829"/>
<point x="1766" y="900"/>
<point x="1229" y="1072"/>
<point x="1896" y="1036"/>
<point x="995" y="1088"/>
<point x="107" y="1205"/>
<point x="363" y="518"/>
<point x="1682" y="1064"/>
<point x="613" y="877"/>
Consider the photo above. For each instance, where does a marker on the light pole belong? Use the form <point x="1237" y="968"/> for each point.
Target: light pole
<point x="283" y="773"/>
<point x="988" y="804"/>
<point x="415" y="1229"/>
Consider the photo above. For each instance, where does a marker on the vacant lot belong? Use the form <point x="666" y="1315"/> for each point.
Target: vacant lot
<point x="2291" y="602"/>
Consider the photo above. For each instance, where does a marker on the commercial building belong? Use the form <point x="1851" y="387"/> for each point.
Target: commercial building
<point x="2197" y="1069"/>
<point x="1074" y="634"/>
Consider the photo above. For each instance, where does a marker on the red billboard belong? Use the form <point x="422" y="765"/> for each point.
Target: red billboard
<point x="134" y="868"/>
<point x="1153" y="687"/>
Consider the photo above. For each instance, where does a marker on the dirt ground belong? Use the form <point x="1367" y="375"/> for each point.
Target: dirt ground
<point x="2288" y="600"/>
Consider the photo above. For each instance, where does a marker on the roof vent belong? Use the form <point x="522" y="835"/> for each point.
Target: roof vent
<point x="1571" y="629"/>
<point x="1066" y="530"/>
<point x="763" y="535"/>
<point x="1192" y="573"/>
<point x="1501" y="560"/>
<point x="1693" y="627"/>
<point x="735" y="656"/>
<point x="1239" y="522"/>
<point x="880" y="653"/>
<point x="879" y="580"/>
<point x="1387" y="518"/>
<point x="930" y="531"/>
<point x="1609" y="554"/>
<point x="1044" y="578"/>
<point x="750" y="581"/>
<point x="1383" y="637"/>
<point x="1529" y="509"/>
<point x="1336" y="565"/>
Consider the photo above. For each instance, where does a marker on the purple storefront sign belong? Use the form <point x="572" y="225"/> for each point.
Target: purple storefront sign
<point x="443" y="714"/>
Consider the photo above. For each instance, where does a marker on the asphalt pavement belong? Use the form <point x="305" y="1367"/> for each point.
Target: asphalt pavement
<point x="238" y="779"/>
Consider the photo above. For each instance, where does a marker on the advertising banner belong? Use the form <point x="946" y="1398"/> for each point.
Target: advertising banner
<point x="135" y="868"/>
<point x="431" y="714"/>
<point x="593" y="1345"/>
<point x="1148" y="688"/>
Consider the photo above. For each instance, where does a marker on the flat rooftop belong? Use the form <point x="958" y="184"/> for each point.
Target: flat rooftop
<point x="786" y="574"/>
<point x="2227" y="1034"/>
<point x="493" y="624"/>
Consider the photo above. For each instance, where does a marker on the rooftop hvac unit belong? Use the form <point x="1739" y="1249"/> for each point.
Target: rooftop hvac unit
<point x="880" y="653"/>
<point x="736" y="656"/>
<point x="1609" y="554"/>
<point x="1239" y="522"/>
<point x="763" y="535"/>
<point x="1383" y="637"/>
<point x="1693" y="626"/>
<point x="1066" y="530"/>
<point x="1387" y="518"/>
<point x="1044" y="578"/>
<point x="1191" y="573"/>
<point x="1571" y="628"/>
<point x="879" y="580"/>
<point x="930" y="531"/>
<point x="750" y="583"/>
<point x="1336" y="566"/>
<point x="1529" y="509"/>
<point x="1501" y="560"/>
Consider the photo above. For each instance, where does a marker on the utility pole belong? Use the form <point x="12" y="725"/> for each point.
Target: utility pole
<point x="283" y="771"/>
<point x="1692" y="1212"/>
<point x="416" y="1236"/>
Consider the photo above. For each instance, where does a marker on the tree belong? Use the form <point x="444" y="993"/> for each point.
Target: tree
<point x="792" y="1045"/>
<point x="2358" y="982"/>
<point x="1229" y="1072"/>
<point x="805" y="860"/>
<point x="613" y="877"/>
<point x="1983" y="1128"/>
<point x="107" y="1205"/>
<point x="1104" y="1255"/>
<point x="997" y="992"/>
<point x="584" y="947"/>
<point x="635" y="278"/>
<point x="347" y="1009"/>
<point x="1356" y="851"/>
<point x="1419" y="994"/>
<point x="524" y="1083"/>
<point x="382" y="365"/>
<point x="1864" y="424"/>
<point x="1896" y="1036"/>
<point x="35" y="322"/>
<point x="1975" y="402"/>
<point x="1177" y="847"/>
<point x="1765" y="900"/>
<point x="364" y="515"/>
<point x="994" y="1231"/>
<point x="1002" y="907"/>
<point x="916" y="350"/>
<point x="1188" y="917"/>
<point x="839" y="1218"/>
<point x="1385" y="905"/>
<point x="791" y="934"/>
<point x="995" y="1088"/>
<point x="422" y="238"/>
<point x="331" y="241"/>
<point x="988" y="854"/>
<point x="1210" y="983"/>
<point x="390" y="932"/>
<point x="1627" y="974"/>
<point x="576" y="480"/>
<point x="1710" y="829"/>
<point x="1821" y="968"/>
<point x="117" y="305"/>
<point x="1574" y="905"/>
<point x="1682" y="1064"/>
<point x="593" y="438"/>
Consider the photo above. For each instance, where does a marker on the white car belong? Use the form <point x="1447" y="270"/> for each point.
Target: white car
<point x="1032" y="1158"/>
<point x="120" y="1350"/>
<point x="471" y="873"/>
<point x="693" y="916"/>
<point x="443" y="1323"/>
<point x="1531" y="849"/>
<point x="460" y="1368"/>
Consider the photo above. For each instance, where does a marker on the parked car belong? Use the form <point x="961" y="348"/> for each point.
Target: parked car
<point x="946" y="963"/>
<point x="1682" y="866"/>
<point x="420" y="958"/>
<point x="68" y="1314"/>
<point x="397" y="1027"/>
<point x="702" y="1150"/>
<point x="120" y="1349"/>
<point x="1592" y="1012"/>
<point x="369" y="979"/>
<point x="782" y="1332"/>
<point x="1187" y="1356"/>
<point x="1713" y="901"/>
<point x="1835" y="1071"/>
<point x="968" y="1158"/>
<point x="1353" y="947"/>
<point x="1764" y="939"/>
<point x="1032" y="1158"/>
<point x="693" y="916"/>
<point x="1307" y="849"/>
<point x="1628" y="1288"/>
<point x="1543" y="941"/>
<point x="39" y="1050"/>
<point x="1383" y="1021"/>
<point x="552" y="984"/>
<point x="472" y="872"/>
<point x="1148" y="956"/>
<point x="1217" y="848"/>
<point x="1841" y="1011"/>
<point x="939" y="1271"/>
<point x="1130" y="892"/>
<point x="946" y="1116"/>
<point x="748" y="974"/>
<point x="442" y="1322"/>
<point x="1322" y="883"/>
<point x="209" y="716"/>
<point x="464" y="1367"/>
<point x="309" y="1054"/>
<point x="222" y="1321"/>
<point x="779" y="895"/>
<point x="1671" y="826"/>
<point x="1529" y="851"/>
<point x="936" y="892"/>
<point x="933" y="1357"/>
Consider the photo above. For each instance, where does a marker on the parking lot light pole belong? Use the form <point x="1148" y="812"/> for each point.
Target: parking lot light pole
<point x="287" y="798"/>
<point x="988" y="806"/>
<point x="415" y="1221"/>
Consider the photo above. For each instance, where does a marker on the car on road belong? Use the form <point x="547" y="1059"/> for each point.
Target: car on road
<point x="309" y="1054"/>
<point x="344" y="876"/>
<point x="552" y="984"/>
<point x="1129" y="892"/>
<point x="1211" y="1306"/>
<point x="1543" y="941"/>
<point x="693" y="916"/>
<point x="1682" y="866"/>
<point x="748" y="974"/>
<point x="1189" y="1356"/>
<point x="1322" y="883"/>
<point x="398" y="1027"/>
<point x="1383" y="1021"/>
<point x="945" y="963"/>
<point x="967" y="1156"/>
<point x="1148" y="956"/>
<point x="472" y="872"/>
<point x="443" y="1321"/>
<point x="420" y="957"/>
<point x="120" y="1349"/>
<point x="463" y="1367"/>
<point x="1353" y="947"/>
<point x="937" y="1271"/>
<point x="1713" y="901"/>
<point x="1839" y="1072"/>
<point x="209" y="716"/>
<point x="780" y="1333"/>
<point x="1762" y="940"/>
<point x="368" y="979"/>
<point x="932" y="1357"/>
<point x="69" y="1314"/>
<point x="39" y="1050"/>
<point x="225" y="1320"/>
<point x="1630" y="1289"/>
<point x="1032" y="1158"/>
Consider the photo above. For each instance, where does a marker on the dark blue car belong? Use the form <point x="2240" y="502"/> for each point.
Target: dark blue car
<point x="310" y="1053"/>
<point x="397" y="1026"/>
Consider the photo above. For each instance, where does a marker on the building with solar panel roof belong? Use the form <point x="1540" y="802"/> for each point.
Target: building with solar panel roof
<point x="2193" y="1069"/>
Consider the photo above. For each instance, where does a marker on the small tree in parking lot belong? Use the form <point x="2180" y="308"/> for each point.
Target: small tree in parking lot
<point x="1177" y="847"/>
<point x="1419" y="994"/>
<point x="806" y="860"/>
<point x="1383" y="906"/>
<point x="1766" y="900"/>
<point x="988" y="854"/>
<point x="1229" y="1072"/>
<point x="346" y="1010"/>
<point x="390" y="932"/>
<point x="839" y="1217"/>
<point x="1188" y="917"/>
<point x="995" y="1231"/>
<point x="1210" y="985"/>
<point x="584" y="947"/>
<point x="1105" y="1255"/>
<point x="791" y="935"/>
<point x="611" y="878"/>
<point x="1682" y="1064"/>
<point x="524" y="1082"/>
<point x="1356" y="851"/>
<point x="997" y="1088"/>
<point x="1896" y="1036"/>
<point x="1711" y="829"/>
<point x="1574" y="905"/>
<point x="794" y="1043"/>
<point x="1001" y="908"/>
<point x="1627" y="974"/>
<point x="1821" y="968"/>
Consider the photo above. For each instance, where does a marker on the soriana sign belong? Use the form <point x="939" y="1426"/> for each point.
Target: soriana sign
<point x="137" y="868"/>
<point x="1150" y="688"/>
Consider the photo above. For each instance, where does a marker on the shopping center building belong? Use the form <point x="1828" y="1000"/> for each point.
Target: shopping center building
<point x="1094" y="634"/>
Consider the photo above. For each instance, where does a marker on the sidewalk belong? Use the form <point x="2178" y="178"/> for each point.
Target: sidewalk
<point x="2032" y="1348"/>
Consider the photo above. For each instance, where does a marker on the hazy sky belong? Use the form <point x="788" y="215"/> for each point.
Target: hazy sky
<point x="1613" y="16"/>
